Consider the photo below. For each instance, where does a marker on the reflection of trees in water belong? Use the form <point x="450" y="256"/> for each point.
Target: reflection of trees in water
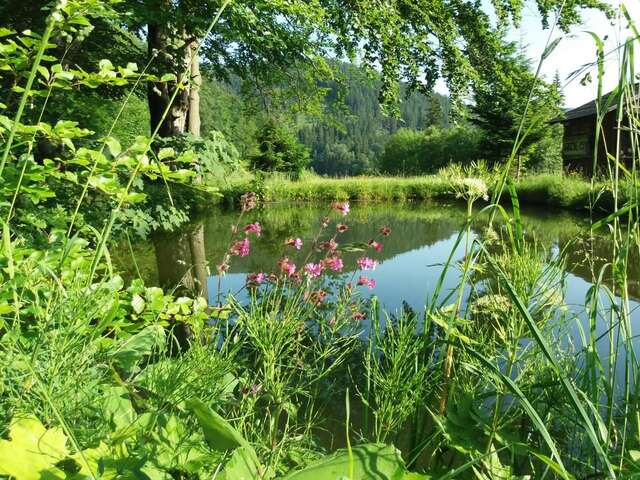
<point x="588" y="258"/>
<point x="181" y="260"/>
<point x="414" y="226"/>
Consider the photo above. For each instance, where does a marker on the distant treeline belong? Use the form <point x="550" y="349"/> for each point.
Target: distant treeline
<point x="350" y="135"/>
<point x="352" y="138"/>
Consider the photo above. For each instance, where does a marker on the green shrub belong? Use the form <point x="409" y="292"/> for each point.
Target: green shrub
<point x="409" y="152"/>
<point x="279" y="149"/>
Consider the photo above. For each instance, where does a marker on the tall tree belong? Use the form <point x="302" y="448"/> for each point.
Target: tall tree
<point x="435" y="115"/>
<point x="505" y="93"/>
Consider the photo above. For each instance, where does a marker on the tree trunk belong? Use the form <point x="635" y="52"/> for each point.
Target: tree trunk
<point x="194" y="93"/>
<point x="199" y="261"/>
<point x="170" y="60"/>
<point x="182" y="262"/>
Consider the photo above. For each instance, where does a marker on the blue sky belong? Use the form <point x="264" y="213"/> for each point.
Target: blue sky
<point x="575" y="49"/>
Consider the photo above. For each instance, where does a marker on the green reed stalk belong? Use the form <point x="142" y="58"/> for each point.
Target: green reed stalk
<point x="546" y="350"/>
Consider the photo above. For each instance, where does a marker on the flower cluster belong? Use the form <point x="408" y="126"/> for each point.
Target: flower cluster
<point x="294" y="242"/>
<point x="309" y="274"/>
<point x="377" y="246"/>
<point x="240" y="248"/>
<point x="253" y="228"/>
<point x="287" y="266"/>
<point x="255" y="279"/>
<point x="342" y="207"/>
<point x="471" y="189"/>
<point x="366" y="263"/>
<point x="367" y="282"/>
<point x="334" y="263"/>
<point x="313" y="269"/>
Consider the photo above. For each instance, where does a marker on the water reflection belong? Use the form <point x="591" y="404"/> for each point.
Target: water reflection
<point x="409" y="263"/>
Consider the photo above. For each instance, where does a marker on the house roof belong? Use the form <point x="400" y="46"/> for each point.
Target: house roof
<point x="589" y="108"/>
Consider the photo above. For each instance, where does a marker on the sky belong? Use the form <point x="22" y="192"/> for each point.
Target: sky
<point x="575" y="49"/>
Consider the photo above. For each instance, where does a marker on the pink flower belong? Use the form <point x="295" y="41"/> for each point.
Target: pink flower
<point x="240" y="248"/>
<point x="256" y="278"/>
<point x="222" y="268"/>
<point x="341" y="227"/>
<point x="287" y="266"/>
<point x="376" y="245"/>
<point x="334" y="263"/>
<point x="294" y="242"/>
<point x="313" y="269"/>
<point x="358" y="316"/>
<point x="366" y="263"/>
<point x="248" y="201"/>
<point x="385" y="231"/>
<point x="341" y="207"/>
<point x="367" y="282"/>
<point x="253" y="228"/>
<point x="329" y="245"/>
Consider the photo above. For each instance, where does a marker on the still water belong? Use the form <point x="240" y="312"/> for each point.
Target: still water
<point x="410" y="262"/>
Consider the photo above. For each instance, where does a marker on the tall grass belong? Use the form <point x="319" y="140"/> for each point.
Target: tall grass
<point x="563" y="192"/>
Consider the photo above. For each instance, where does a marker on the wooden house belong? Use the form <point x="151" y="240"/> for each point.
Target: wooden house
<point x="580" y="136"/>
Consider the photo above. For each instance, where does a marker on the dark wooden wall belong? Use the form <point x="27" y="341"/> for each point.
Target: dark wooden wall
<point x="579" y="141"/>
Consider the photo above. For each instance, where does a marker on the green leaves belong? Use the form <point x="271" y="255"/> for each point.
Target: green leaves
<point x="219" y="433"/>
<point x="32" y="450"/>
<point x="243" y="465"/>
<point x="129" y="352"/>
<point x="370" y="462"/>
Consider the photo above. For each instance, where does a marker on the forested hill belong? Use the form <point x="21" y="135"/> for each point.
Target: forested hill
<point x="351" y="139"/>
<point x="347" y="140"/>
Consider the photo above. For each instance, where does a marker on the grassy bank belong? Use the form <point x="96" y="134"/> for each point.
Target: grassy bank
<point x="556" y="191"/>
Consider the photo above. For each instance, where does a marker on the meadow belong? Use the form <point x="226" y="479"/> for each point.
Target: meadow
<point x="563" y="192"/>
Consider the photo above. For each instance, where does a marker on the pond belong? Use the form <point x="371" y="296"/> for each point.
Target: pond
<point x="410" y="262"/>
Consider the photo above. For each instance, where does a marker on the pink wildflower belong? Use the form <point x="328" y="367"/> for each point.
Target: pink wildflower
<point x="367" y="282"/>
<point x="256" y="278"/>
<point x="335" y="263"/>
<point x="313" y="269"/>
<point x="385" y="231"/>
<point x="294" y="242"/>
<point x="255" y="389"/>
<point x="375" y="245"/>
<point x="366" y="263"/>
<point x="358" y="315"/>
<point x="341" y="207"/>
<point x="287" y="266"/>
<point x="331" y="245"/>
<point x="240" y="248"/>
<point x="222" y="268"/>
<point x="253" y="228"/>
<point x="341" y="227"/>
